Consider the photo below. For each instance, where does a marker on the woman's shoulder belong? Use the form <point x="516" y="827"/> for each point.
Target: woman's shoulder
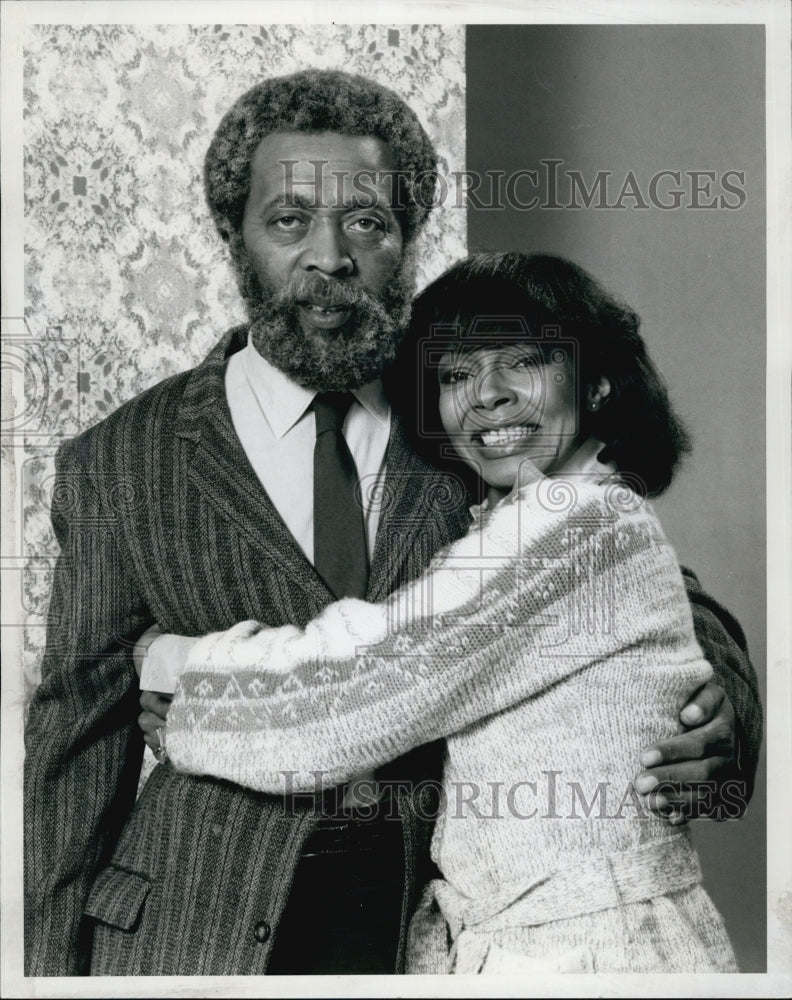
<point x="579" y="501"/>
<point x="573" y="493"/>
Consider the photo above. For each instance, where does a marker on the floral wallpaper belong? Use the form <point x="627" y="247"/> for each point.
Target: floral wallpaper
<point x="126" y="282"/>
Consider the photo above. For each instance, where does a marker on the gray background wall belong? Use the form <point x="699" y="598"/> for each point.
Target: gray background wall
<point x="646" y="99"/>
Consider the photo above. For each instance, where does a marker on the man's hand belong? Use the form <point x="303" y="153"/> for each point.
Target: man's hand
<point x="155" y="711"/>
<point x="684" y="776"/>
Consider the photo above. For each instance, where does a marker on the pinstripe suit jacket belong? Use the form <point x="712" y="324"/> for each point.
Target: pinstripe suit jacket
<point x="161" y="519"/>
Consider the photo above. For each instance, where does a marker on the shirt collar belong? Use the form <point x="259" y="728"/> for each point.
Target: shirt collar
<point x="283" y="402"/>
<point x="371" y="397"/>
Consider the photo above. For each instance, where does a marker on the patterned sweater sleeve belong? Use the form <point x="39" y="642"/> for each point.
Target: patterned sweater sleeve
<point x="536" y="592"/>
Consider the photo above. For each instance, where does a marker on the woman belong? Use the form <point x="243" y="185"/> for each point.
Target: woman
<point x="548" y="646"/>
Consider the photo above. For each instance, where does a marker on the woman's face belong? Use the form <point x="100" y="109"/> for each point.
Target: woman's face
<point x="504" y="405"/>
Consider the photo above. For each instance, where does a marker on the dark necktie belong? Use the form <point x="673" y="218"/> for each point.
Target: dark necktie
<point x="340" y="553"/>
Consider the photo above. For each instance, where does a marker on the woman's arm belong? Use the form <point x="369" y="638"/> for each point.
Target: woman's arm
<point x="499" y="616"/>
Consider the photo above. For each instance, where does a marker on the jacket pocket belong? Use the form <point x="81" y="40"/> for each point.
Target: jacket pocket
<point x="117" y="898"/>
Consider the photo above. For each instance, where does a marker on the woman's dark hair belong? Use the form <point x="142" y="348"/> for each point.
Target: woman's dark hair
<point x="501" y="298"/>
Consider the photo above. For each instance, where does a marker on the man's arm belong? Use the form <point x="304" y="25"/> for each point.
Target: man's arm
<point x="83" y="749"/>
<point x="721" y="746"/>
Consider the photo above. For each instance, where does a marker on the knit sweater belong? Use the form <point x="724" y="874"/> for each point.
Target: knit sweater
<point x="549" y="646"/>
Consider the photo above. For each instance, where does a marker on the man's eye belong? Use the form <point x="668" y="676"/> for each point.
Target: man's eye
<point x="287" y="222"/>
<point x="367" y="225"/>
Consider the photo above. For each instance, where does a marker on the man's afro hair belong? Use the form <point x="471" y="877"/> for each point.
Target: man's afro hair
<point x="316" y="101"/>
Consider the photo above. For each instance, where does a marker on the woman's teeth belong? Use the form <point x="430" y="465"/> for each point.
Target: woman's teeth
<point x="507" y="435"/>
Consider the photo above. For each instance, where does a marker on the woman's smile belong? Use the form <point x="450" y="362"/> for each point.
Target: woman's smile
<point x="506" y="436"/>
<point x="504" y="405"/>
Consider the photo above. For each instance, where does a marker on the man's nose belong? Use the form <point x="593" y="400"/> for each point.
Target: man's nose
<point x="326" y="250"/>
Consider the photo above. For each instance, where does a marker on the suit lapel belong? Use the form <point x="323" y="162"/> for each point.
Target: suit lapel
<point x="422" y="510"/>
<point x="219" y="469"/>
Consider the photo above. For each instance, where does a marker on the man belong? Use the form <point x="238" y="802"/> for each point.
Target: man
<point x="205" y="502"/>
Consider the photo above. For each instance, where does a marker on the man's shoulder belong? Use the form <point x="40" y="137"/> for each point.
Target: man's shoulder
<point x="157" y="411"/>
<point x="156" y="406"/>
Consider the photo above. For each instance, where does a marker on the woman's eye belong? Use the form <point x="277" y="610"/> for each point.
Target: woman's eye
<point x="528" y="361"/>
<point x="453" y="375"/>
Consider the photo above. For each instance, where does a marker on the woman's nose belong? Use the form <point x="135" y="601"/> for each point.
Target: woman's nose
<point x="493" y="390"/>
<point x="326" y="250"/>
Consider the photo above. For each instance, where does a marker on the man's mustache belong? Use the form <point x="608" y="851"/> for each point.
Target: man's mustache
<point x="321" y="291"/>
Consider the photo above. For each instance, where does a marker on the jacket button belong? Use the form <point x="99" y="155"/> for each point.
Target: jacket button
<point x="261" y="931"/>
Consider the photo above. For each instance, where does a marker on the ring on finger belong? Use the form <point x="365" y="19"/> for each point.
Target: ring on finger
<point x="159" y="751"/>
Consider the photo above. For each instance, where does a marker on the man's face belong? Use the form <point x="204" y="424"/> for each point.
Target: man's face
<point x="325" y="245"/>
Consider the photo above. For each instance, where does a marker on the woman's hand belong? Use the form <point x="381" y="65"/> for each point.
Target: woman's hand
<point x="152" y="719"/>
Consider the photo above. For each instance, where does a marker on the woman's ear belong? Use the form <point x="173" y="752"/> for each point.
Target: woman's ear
<point x="597" y="395"/>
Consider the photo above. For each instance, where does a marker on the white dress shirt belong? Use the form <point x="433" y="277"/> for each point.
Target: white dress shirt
<point x="273" y="419"/>
<point x="276" y="426"/>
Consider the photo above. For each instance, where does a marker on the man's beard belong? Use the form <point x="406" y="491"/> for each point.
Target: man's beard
<point x="340" y="359"/>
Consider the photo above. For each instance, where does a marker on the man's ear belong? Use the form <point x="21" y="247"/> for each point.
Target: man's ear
<point x="597" y="394"/>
